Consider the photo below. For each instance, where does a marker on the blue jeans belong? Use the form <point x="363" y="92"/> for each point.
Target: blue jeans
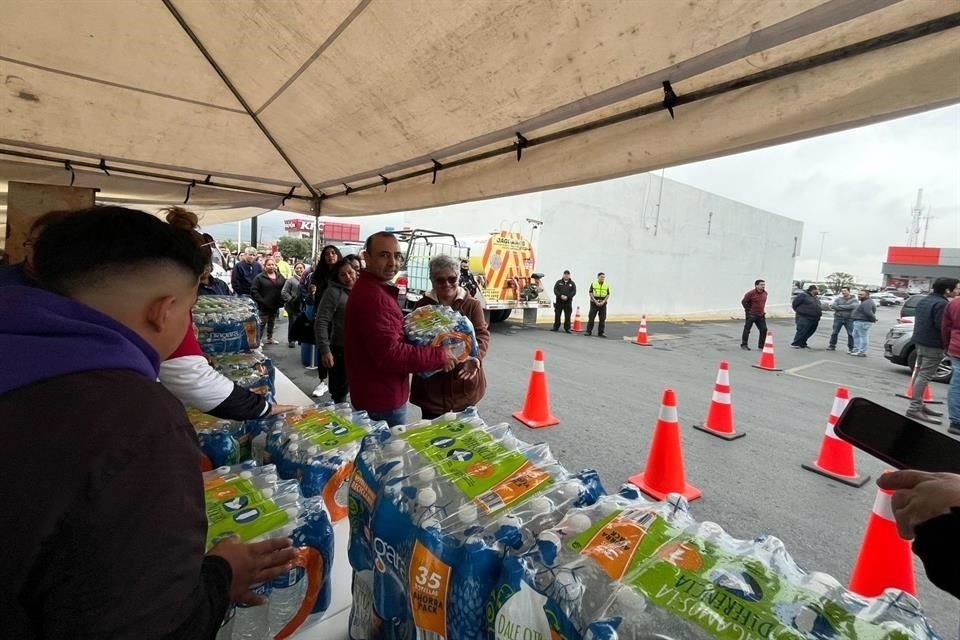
<point x="953" y="394"/>
<point x="861" y="335"/>
<point x="845" y="323"/>
<point x="392" y="418"/>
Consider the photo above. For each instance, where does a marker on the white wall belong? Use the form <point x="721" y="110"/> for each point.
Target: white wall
<point x="674" y="268"/>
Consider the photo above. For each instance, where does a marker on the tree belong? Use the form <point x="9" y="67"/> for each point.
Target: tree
<point x="839" y="279"/>
<point x="294" y="247"/>
<point x="228" y="245"/>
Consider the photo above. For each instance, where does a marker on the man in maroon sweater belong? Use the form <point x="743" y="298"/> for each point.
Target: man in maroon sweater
<point x="379" y="359"/>
<point x="755" y="306"/>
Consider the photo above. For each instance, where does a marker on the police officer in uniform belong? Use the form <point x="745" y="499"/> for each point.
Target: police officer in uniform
<point x="563" y="291"/>
<point x="599" y="296"/>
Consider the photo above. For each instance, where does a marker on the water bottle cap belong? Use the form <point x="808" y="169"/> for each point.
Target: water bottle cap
<point x="576" y="523"/>
<point x="468" y="513"/>
<point x="425" y="475"/>
<point x="426" y="497"/>
<point x="222" y="471"/>
<point x="396" y="447"/>
<point x="294" y="437"/>
<point x="398" y="429"/>
<point x="293" y="448"/>
<point x="246" y="475"/>
<point x="450" y="415"/>
<point x="511" y="520"/>
<point x="314" y="450"/>
<point x="293" y="512"/>
<point x="267" y="493"/>
<point x="540" y="505"/>
<point x="550" y="537"/>
<point x="569" y="585"/>
<point x="269" y="478"/>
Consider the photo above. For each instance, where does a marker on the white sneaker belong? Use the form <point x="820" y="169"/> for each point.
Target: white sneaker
<point x="320" y="390"/>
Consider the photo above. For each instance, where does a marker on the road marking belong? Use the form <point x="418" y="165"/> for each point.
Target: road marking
<point x="794" y="370"/>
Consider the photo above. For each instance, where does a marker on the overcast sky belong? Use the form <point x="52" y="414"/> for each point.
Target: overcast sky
<point x="858" y="185"/>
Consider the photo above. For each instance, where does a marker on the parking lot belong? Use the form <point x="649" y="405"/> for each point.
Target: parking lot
<point x="606" y="394"/>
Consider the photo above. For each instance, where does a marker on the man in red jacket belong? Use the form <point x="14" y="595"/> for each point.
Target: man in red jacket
<point x="755" y="307"/>
<point x="379" y="359"/>
<point x="950" y="329"/>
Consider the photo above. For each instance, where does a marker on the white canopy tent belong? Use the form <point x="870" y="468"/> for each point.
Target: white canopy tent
<point x="352" y="107"/>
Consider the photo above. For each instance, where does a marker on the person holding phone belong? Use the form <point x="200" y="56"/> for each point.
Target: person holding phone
<point x="926" y="507"/>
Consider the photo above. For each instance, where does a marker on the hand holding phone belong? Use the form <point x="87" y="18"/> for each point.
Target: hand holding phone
<point x="896" y="439"/>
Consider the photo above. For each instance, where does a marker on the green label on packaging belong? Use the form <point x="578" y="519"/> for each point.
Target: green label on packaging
<point x="482" y="468"/>
<point x="236" y="507"/>
<point x="731" y="595"/>
<point x="326" y="429"/>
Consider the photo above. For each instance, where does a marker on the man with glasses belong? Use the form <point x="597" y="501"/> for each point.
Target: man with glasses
<point x="379" y="359"/>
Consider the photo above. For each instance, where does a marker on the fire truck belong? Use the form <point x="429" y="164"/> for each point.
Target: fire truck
<point x="502" y="262"/>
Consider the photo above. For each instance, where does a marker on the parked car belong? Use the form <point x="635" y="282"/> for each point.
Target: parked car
<point x="898" y="348"/>
<point x="885" y="299"/>
<point x="909" y="308"/>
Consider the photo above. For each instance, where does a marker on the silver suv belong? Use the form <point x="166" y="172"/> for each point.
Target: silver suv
<point x="898" y="348"/>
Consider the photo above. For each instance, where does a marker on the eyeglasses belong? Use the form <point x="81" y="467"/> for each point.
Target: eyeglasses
<point x="451" y="281"/>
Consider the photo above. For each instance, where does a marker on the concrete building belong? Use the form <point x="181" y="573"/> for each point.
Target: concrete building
<point x="913" y="269"/>
<point x="668" y="249"/>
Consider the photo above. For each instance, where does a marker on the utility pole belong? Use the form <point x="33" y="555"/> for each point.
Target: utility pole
<point x="823" y="237"/>
<point x="926" y="225"/>
<point x="913" y="231"/>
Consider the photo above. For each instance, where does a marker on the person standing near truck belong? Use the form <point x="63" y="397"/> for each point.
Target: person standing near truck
<point x="599" y="296"/>
<point x="564" y="291"/>
<point x="755" y="307"/>
<point x="843" y="307"/>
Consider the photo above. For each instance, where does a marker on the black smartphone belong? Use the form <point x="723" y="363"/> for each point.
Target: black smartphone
<point x="896" y="439"/>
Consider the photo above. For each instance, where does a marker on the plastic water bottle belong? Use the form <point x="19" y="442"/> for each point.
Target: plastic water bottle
<point x="253" y="622"/>
<point x="286" y="593"/>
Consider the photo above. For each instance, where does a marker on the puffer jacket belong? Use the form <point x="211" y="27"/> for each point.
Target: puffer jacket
<point x="444" y="392"/>
<point x="807" y="305"/>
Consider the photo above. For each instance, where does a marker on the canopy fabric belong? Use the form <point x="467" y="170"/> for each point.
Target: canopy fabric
<point x="271" y="104"/>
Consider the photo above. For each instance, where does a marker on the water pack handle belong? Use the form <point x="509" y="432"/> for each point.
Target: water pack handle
<point x="312" y="562"/>
<point x="336" y="510"/>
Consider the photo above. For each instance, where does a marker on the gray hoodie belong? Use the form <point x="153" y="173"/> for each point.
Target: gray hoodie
<point x="866" y="311"/>
<point x="843" y="307"/>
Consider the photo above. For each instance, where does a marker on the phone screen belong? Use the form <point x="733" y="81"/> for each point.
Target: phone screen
<point x="896" y="439"/>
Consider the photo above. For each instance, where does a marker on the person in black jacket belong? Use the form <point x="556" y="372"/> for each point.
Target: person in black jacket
<point x="329" y="327"/>
<point x="926" y="507"/>
<point x="245" y="271"/>
<point x="117" y="549"/>
<point x="564" y="291"/>
<point x="807" y="306"/>
<point x="267" y="292"/>
<point x="928" y="338"/>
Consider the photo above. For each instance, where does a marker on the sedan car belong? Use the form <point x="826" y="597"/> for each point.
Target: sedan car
<point x="898" y="348"/>
<point x="885" y="299"/>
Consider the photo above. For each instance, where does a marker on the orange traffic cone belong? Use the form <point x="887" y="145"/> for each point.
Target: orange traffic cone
<point x="664" y="473"/>
<point x="767" y="360"/>
<point x="536" y="408"/>
<point x="927" y="394"/>
<point x="884" y="561"/>
<point x="719" y="420"/>
<point x="642" y="339"/>
<point x="836" y="456"/>
<point x="577" y="325"/>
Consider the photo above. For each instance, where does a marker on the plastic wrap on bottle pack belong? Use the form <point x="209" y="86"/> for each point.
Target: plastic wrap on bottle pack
<point x="251" y="370"/>
<point x="630" y="569"/>
<point x="226" y="324"/>
<point x="316" y="446"/>
<point x="440" y="326"/>
<point x="249" y="502"/>
<point x="449" y="498"/>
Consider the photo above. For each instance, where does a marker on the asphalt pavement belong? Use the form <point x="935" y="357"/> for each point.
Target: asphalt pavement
<point x="606" y="393"/>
